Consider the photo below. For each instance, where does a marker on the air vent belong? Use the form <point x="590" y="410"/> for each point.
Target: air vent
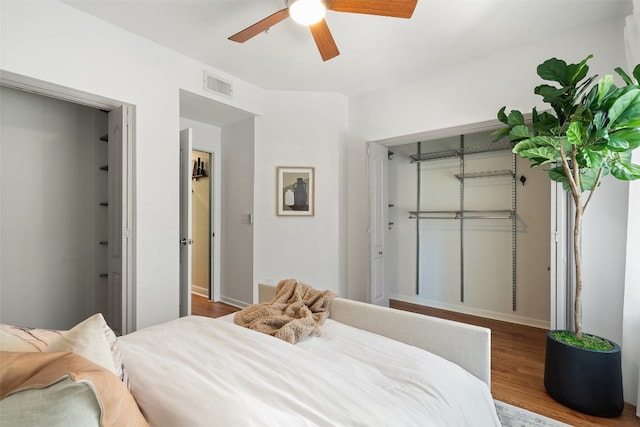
<point x="216" y="85"/>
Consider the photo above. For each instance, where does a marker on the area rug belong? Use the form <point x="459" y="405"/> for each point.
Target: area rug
<point x="512" y="416"/>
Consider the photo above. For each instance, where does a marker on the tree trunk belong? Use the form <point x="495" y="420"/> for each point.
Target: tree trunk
<point x="577" y="255"/>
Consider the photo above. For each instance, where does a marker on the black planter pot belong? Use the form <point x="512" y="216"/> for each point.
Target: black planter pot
<point x="585" y="380"/>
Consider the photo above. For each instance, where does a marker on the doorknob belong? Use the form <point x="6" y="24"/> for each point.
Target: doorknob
<point x="186" y="242"/>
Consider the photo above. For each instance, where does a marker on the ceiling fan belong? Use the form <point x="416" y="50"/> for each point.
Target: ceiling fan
<point x="311" y="13"/>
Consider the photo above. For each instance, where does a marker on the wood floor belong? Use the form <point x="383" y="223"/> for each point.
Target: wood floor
<point x="517" y="363"/>
<point x="201" y="306"/>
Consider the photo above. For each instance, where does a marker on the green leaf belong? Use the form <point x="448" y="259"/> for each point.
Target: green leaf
<point x="551" y="94"/>
<point x="515" y="118"/>
<point x="574" y="133"/>
<point x="502" y="116"/>
<point x="557" y="174"/>
<point x="523" y="145"/>
<point x="633" y="123"/>
<point x="624" y="76"/>
<point x="626" y="108"/>
<point x="600" y="119"/>
<point x="622" y="157"/>
<point x="626" y="171"/>
<point x="590" y="159"/>
<point x="544" y="123"/>
<point x="554" y="70"/>
<point x="605" y="88"/>
<point x="577" y="72"/>
<point x="632" y="136"/>
<point x="547" y="141"/>
<point x="519" y="132"/>
<point x="601" y="135"/>
<point x="617" y="143"/>
<point x="540" y="155"/>
<point x="636" y="73"/>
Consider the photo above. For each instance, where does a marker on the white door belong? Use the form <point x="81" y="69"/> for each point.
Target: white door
<point x="119" y="280"/>
<point x="185" y="221"/>
<point x="562" y="279"/>
<point x="378" y="222"/>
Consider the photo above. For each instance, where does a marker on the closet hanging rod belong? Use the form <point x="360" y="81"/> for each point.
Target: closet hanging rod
<point x="461" y="215"/>
<point x="485" y="174"/>
<point x="447" y="154"/>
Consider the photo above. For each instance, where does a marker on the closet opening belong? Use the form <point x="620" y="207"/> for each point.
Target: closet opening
<point x="469" y="229"/>
<point x="67" y="217"/>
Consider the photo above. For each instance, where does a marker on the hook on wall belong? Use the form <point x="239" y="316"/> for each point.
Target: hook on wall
<point x="523" y="179"/>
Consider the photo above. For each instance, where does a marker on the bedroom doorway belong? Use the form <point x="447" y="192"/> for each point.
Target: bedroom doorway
<point x="199" y="217"/>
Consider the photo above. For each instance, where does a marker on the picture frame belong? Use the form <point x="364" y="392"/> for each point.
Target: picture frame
<point x="295" y="191"/>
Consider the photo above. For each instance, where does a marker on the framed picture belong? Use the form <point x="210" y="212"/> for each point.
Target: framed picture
<point x="295" y="191"/>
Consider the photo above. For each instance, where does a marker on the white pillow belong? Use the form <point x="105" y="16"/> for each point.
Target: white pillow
<point x="87" y="339"/>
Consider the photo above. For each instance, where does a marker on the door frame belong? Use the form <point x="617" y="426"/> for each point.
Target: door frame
<point x="186" y="220"/>
<point x="52" y="90"/>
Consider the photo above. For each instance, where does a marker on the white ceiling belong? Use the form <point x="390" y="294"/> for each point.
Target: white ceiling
<point x="376" y="52"/>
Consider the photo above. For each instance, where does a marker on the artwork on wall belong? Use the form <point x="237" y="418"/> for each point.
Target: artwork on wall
<point x="295" y="191"/>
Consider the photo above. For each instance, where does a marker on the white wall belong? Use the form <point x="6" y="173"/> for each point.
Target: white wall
<point x="56" y="43"/>
<point x="50" y="216"/>
<point x="301" y="129"/>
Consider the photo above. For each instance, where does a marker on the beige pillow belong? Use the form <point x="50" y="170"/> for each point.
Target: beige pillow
<point x="87" y="339"/>
<point x="10" y="342"/>
<point x="36" y="339"/>
<point x="24" y="339"/>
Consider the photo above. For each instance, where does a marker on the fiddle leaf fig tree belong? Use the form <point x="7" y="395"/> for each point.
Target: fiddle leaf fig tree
<point x="591" y="131"/>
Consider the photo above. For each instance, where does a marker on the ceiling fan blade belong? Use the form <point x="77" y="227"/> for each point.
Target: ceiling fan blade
<point x="324" y="40"/>
<point x="260" y="26"/>
<point x="393" y="8"/>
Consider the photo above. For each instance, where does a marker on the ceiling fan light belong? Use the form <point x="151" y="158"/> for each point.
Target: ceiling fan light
<point x="307" y="12"/>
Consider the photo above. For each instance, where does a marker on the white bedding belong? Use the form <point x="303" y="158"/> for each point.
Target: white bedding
<point x="198" y="371"/>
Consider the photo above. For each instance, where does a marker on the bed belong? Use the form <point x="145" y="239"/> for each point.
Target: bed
<point x="368" y="366"/>
<point x="197" y="371"/>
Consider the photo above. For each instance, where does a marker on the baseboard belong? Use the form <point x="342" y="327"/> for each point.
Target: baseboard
<point x="233" y="302"/>
<point x="511" y="318"/>
<point x="198" y="290"/>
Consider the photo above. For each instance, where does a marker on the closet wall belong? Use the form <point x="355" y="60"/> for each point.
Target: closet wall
<point x="51" y="220"/>
<point x="425" y="263"/>
<point x="201" y="225"/>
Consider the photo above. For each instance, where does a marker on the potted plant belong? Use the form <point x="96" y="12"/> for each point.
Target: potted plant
<point x="590" y="132"/>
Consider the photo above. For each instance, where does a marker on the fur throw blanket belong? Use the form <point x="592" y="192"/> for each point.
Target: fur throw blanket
<point x="294" y="313"/>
